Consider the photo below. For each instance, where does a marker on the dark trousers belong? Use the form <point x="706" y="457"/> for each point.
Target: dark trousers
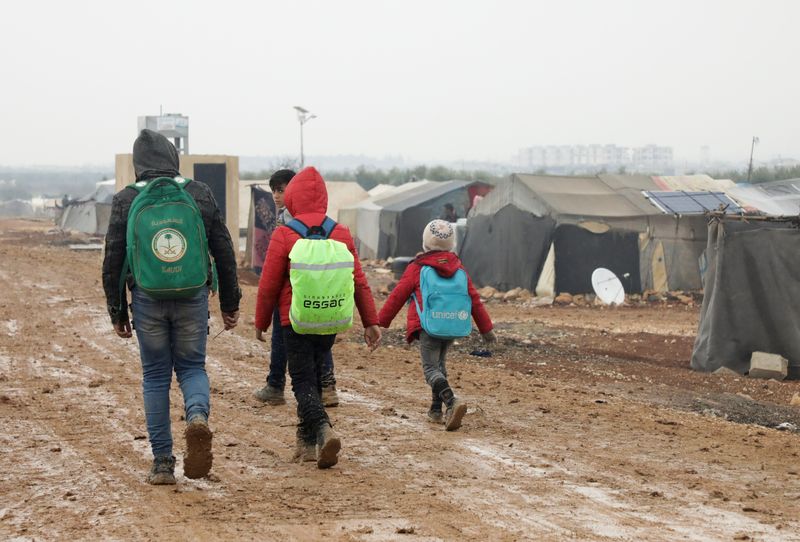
<point x="277" y="358"/>
<point x="305" y="355"/>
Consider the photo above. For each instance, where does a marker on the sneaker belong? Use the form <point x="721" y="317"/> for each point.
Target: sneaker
<point x="329" y="396"/>
<point x="270" y="395"/>
<point x="162" y="473"/>
<point x="304" y="451"/>
<point x="328" y="446"/>
<point x="435" y="415"/>
<point x="455" y="412"/>
<point x="198" y="458"/>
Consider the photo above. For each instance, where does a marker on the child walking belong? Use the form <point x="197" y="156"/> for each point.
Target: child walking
<point x="438" y="242"/>
<point x="272" y="392"/>
<point x="307" y="200"/>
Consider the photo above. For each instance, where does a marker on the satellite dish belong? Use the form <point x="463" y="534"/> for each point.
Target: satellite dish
<point x="608" y="287"/>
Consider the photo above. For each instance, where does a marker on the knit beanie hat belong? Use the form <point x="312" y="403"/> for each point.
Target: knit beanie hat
<point x="438" y="235"/>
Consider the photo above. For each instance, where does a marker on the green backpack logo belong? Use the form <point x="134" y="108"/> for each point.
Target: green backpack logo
<point x="321" y="275"/>
<point x="167" y="249"/>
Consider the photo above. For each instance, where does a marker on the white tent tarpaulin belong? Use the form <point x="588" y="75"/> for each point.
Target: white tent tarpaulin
<point x="91" y="213"/>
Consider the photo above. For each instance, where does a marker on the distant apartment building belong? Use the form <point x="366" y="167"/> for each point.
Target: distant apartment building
<point x="557" y="158"/>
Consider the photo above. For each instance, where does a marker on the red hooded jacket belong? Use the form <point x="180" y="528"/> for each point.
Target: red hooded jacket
<point x="446" y="264"/>
<point x="306" y="199"/>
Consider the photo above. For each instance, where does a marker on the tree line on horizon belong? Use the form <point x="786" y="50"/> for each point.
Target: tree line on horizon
<point x="370" y="177"/>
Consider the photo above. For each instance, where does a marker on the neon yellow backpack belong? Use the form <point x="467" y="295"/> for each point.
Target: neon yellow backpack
<point x="321" y="275"/>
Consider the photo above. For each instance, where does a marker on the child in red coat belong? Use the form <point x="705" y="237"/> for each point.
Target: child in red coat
<point x="306" y="199"/>
<point x="438" y="242"/>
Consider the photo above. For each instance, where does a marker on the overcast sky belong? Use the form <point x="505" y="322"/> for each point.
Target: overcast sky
<point x="429" y="80"/>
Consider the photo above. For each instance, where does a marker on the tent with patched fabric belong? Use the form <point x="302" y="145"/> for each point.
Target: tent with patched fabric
<point x="548" y="233"/>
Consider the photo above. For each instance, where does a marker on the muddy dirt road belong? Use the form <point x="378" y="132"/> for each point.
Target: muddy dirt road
<point x="586" y="424"/>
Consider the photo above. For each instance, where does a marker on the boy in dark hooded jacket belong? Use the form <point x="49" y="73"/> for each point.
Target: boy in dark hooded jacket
<point x="438" y="242"/>
<point x="172" y="333"/>
<point x="306" y="200"/>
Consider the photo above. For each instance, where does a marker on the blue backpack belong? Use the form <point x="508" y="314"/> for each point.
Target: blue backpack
<point x="446" y="311"/>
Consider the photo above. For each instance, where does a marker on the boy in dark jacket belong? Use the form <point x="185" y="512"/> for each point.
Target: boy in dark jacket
<point x="172" y="333"/>
<point x="438" y="242"/>
<point x="272" y="392"/>
<point x="307" y="200"/>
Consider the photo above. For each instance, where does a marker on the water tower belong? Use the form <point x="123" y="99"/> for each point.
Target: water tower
<point x="171" y="125"/>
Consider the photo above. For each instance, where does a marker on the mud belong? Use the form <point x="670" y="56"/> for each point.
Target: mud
<point x="585" y="424"/>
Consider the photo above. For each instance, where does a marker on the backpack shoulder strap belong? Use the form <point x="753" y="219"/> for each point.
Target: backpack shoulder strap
<point x="299" y="227"/>
<point x="322" y="231"/>
<point x="328" y="225"/>
<point x="422" y="270"/>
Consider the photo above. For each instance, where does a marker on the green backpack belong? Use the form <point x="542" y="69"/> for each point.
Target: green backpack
<point x="321" y="275"/>
<point x="167" y="249"/>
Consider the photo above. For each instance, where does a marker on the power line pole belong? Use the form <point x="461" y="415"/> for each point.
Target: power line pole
<point x="750" y="168"/>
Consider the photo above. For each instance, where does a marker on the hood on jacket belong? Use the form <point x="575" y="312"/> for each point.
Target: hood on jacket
<point x="306" y="193"/>
<point x="446" y="263"/>
<point x="154" y="156"/>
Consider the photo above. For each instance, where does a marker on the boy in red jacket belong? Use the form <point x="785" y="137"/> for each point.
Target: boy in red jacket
<point x="306" y="199"/>
<point x="438" y="242"/>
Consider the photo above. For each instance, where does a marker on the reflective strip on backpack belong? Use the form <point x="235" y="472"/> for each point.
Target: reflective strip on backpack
<point x="318" y="325"/>
<point x="321" y="266"/>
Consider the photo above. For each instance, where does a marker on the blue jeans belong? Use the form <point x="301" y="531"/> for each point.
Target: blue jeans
<point x="172" y="335"/>
<point x="277" y="358"/>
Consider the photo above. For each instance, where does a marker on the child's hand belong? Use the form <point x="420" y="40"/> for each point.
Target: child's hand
<point x="372" y="336"/>
<point x="260" y="336"/>
<point x="489" y="337"/>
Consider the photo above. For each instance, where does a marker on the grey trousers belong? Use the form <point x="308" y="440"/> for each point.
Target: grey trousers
<point x="433" y="352"/>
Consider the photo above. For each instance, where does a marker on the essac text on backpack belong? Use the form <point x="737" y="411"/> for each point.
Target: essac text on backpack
<point x="321" y="274"/>
<point x="446" y="311"/>
<point x="167" y="249"/>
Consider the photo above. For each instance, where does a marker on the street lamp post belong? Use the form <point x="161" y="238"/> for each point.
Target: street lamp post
<point x="303" y="116"/>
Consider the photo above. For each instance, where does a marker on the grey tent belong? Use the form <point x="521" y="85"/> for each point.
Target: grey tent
<point x="364" y="217"/>
<point x="751" y="298"/>
<point x="776" y="198"/>
<point x="91" y="213"/>
<point x="552" y="232"/>
<point x="403" y="216"/>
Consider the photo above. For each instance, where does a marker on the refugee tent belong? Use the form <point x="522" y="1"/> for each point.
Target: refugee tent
<point x="776" y="198"/>
<point x="381" y="190"/>
<point x="343" y="194"/>
<point x="692" y="183"/>
<point x="548" y="233"/>
<point x="16" y="208"/>
<point x="403" y="216"/>
<point x="91" y="213"/>
<point x="750" y="303"/>
<point x="363" y="218"/>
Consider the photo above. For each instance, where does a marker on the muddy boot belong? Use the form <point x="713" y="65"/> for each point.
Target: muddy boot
<point x="435" y="412"/>
<point x="162" y="472"/>
<point x="305" y="448"/>
<point x="270" y="395"/>
<point x="328" y="446"/>
<point x="198" y="458"/>
<point x="329" y="396"/>
<point x="456" y="408"/>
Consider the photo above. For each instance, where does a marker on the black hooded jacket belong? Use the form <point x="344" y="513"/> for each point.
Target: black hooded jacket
<point x="154" y="156"/>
